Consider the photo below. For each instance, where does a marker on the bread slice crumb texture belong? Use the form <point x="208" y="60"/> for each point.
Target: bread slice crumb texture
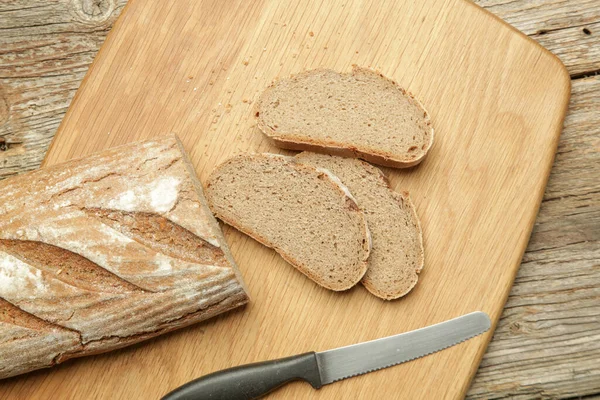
<point x="298" y="211"/>
<point x="397" y="254"/>
<point x="358" y="114"/>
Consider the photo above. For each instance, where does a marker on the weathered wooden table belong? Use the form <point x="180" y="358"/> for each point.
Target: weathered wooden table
<point x="547" y="344"/>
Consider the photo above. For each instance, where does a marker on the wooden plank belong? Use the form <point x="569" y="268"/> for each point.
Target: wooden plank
<point x="45" y="51"/>
<point x="495" y="97"/>
<point x="577" y="47"/>
<point x="547" y="341"/>
<point x="532" y="16"/>
<point x="38" y="118"/>
<point x="570" y="29"/>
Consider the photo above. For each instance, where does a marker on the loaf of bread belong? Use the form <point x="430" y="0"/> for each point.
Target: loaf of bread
<point x="106" y="251"/>
<point x="360" y="114"/>
<point x="397" y="254"/>
<point x="303" y="213"/>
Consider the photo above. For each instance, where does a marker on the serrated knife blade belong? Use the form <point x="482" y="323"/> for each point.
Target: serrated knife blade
<point x="253" y="381"/>
<point x="357" y="359"/>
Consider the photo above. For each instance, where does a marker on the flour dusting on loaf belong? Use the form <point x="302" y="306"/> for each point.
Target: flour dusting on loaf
<point x="17" y="277"/>
<point x="160" y="196"/>
<point x="164" y="194"/>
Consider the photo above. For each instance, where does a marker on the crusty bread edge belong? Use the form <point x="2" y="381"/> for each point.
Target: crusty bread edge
<point x="113" y="343"/>
<point x="336" y="150"/>
<point x="211" y="218"/>
<point x="371" y="156"/>
<point x="399" y="197"/>
<point x="256" y="236"/>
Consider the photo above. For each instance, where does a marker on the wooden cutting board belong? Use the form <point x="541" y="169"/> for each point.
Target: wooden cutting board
<point x="195" y="68"/>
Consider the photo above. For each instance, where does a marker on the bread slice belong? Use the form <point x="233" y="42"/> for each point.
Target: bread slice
<point x="360" y="114"/>
<point x="397" y="255"/>
<point x="303" y="213"/>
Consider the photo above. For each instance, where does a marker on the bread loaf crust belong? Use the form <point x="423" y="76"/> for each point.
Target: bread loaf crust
<point x="103" y="252"/>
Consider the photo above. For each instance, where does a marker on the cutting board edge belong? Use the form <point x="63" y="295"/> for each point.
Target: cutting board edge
<point x="566" y="78"/>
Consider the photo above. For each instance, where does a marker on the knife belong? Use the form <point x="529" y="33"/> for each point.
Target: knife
<point x="253" y="381"/>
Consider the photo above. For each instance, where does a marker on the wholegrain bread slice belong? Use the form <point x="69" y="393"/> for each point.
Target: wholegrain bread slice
<point x="397" y="254"/>
<point x="359" y="114"/>
<point x="303" y="213"/>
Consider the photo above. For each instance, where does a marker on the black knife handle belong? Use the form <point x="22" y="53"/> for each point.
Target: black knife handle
<point x="250" y="381"/>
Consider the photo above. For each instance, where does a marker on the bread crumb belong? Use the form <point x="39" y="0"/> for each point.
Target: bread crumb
<point x="311" y="34"/>
<point x="245" y="62"/>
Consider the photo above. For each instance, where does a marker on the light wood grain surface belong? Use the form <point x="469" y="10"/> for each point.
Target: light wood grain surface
<point x="47" y="48"/>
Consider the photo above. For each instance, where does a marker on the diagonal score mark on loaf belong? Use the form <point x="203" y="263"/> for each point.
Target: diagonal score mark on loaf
<point x="161" y="235"/>
<point x="56" y="339"/>
<point x="25" y="337"/>
<point x="67" y="266"/>
<point x="13" y="315"/>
